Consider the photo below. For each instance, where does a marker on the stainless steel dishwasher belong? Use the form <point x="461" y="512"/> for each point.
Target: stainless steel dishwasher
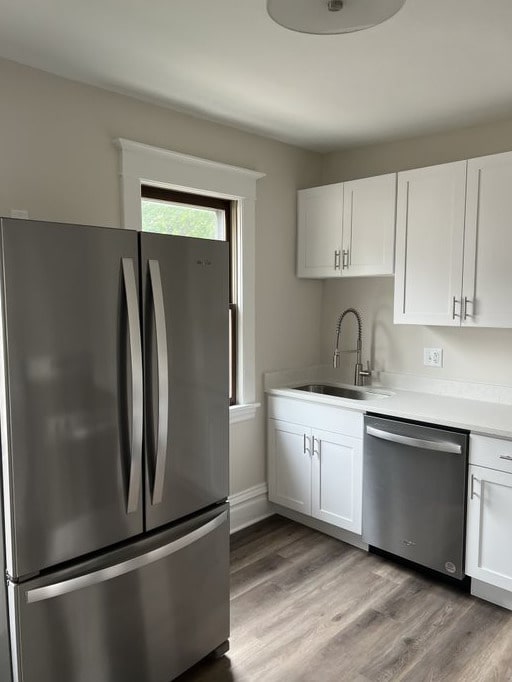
<point x="414" y="492"/>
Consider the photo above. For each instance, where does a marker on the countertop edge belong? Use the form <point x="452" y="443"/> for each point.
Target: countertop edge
<point x="495" y="419"/>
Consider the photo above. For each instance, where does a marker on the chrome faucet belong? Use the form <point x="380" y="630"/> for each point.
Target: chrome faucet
<point x="359" y="374"/>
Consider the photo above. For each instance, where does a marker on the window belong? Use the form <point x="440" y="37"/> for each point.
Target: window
<point x="168" y="211"/>
<point x="142" y="164"/>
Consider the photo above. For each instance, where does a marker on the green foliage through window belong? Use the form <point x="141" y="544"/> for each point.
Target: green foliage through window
<point x="187" y="221"/>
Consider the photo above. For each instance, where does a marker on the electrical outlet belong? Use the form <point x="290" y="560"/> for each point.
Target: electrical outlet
<point x="433" y="357"/>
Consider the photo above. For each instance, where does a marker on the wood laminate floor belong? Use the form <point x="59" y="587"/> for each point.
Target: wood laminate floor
<point x="308" y="608"/>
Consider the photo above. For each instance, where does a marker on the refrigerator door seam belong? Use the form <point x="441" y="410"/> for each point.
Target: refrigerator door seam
<point x="73" y="584"/>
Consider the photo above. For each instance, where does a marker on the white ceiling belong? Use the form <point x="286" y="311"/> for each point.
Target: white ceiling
<point x="436" y="65"/>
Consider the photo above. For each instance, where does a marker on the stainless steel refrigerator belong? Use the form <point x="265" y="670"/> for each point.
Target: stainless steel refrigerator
<point x="114" y="435"/>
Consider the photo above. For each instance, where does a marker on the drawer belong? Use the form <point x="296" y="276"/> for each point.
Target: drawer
<point x="316" y="415"/>
<point x="494" y="453"/>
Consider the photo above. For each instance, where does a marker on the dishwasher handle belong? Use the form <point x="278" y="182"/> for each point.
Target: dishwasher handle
<point x="438" y="446"/>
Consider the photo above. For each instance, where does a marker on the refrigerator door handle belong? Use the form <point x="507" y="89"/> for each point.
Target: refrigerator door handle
<point x="132" y="306"/>
<point x="138" y="562"/>
<point x="163" y="381"/>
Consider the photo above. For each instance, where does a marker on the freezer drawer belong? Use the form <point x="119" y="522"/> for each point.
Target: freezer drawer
<point x="143" y="614"/>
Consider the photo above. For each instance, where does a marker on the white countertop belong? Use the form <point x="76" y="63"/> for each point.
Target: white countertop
<point x="478" y="416"/>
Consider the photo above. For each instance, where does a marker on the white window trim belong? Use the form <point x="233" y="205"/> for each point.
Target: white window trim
<point x="141" y="163"/>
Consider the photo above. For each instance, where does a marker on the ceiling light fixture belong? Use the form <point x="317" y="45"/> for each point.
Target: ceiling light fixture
<point x="325" y="17"/>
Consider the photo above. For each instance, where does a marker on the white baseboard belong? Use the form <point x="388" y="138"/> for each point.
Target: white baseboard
<point x="496" y="595"/>
<point x="321" y="526"/>
<point x="248" y="507"/>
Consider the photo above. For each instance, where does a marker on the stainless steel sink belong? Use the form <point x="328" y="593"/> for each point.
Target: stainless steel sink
<point x="341" y="392"/>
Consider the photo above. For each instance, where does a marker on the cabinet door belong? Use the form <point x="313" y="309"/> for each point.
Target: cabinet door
<point x="320" y="216"/>
<point x="336" y="480"/>
<point x="369" y="226"/>
<point x="488" y="545"/>
<point x="429" y="248"/>
<point x="487" y="280"/>
<point x="289" y="475"/>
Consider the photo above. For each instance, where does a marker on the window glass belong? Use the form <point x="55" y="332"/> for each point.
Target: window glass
<point x="167" y="217"/>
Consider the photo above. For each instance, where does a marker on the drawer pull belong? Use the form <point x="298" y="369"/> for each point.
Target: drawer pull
<point x="509" y="457"/>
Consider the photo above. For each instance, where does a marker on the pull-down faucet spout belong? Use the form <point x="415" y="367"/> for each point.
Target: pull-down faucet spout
<point x="359" y="372"/>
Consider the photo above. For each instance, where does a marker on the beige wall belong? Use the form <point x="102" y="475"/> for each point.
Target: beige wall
<point x="417" y="152"/>
<point x="57" y="161"/>
<point x="482" y="355"/>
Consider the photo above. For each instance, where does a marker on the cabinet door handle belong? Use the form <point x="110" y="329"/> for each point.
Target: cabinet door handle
<point x="344" y="259"/>
<point x="508" y="457"/>
<point x="454" y="303"/>
<point x="465" y="302"/>
<point x="472" y="487"/>
<point x="307" y="445"/>
<point x="316" y="451"/>
<point x="337" y="259"/>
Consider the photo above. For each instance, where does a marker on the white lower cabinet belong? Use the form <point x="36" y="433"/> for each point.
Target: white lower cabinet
<point x="489" y="530"/>
<point x="315" y="461"/>
<point x="489" y="517"/>
<point x="336" y="480"/>
<point x="290" y="465"/>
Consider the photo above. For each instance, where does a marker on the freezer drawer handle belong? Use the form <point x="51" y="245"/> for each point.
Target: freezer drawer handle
<point x="163" y="381"/>
<point x="132" y="306"/>
<point x="438" y="446"/>
<point x="101" y="576"/>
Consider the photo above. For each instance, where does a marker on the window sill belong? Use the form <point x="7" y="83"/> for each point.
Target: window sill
<point x="242" y="413"/>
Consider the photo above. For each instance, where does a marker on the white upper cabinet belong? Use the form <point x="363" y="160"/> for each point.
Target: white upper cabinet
<point x="347" y="229"/>
<point x="368" y="242"/>
<point x="453" y="244"/>
<point x="320" y="215"/>
<point x="429" y="244"/>
<point x="487" y="279"/>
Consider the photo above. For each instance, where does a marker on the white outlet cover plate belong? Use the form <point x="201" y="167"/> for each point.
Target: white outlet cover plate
<point x="433" y="357"/>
